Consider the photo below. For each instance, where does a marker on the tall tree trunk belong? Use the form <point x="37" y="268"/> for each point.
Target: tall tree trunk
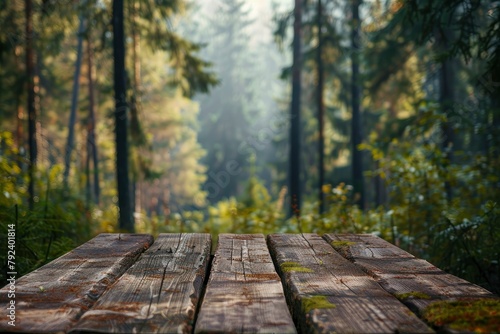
<point x="19" y="125"/>
<point x="356" y="136"/>
<point x="493" y="142"/>
<point x="42" y="139"/>
<point x="295" y="113"/>
<point x="122" y="177"/>
<point x="321" y="109"/>
<point x="92" y="140"/>
<point x="19" y="105"/>
<point x="74" y="103"/>
<point x="32" y="115"/>
<point x="88" y="185"/>
<point x="136" y="105"/>
<point x="446" y="100"/>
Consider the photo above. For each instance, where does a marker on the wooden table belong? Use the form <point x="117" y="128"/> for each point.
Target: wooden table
<point x="285" y="283"/>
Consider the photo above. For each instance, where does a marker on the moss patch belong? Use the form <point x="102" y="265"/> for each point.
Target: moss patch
<point x="479" y="316"/>
<point x="412" y="295"/>
<point x="315" y="302"/>
<point x="294" y="266"/>
<point x="340" y="243"/>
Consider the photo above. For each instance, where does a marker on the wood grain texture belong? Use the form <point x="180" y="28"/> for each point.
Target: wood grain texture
<point x="311" y="268"/>
<point x="399" y="272"/>
<point x="244" y="293"/>
<point x="159" y="293"/>
<point x="53" y="297"/>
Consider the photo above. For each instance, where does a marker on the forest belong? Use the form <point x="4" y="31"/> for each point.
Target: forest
<point x="253" y="116"/>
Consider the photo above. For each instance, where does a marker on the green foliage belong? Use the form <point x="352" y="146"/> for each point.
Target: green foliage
<point x="11" y="191"/>
<point x="475" y="27"/>
<point x="54" y="227"/>
<point x="468" y="244"/>
<point x="341" y="215"/>
<point x="41" y="236"/>
<point x="458" y="235"/>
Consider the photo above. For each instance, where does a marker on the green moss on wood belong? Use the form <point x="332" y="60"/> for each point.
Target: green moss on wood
<point x="315" y="302"/>
<point x="294" y="266"/>
<point x="340" y="243"/>
<point x="412" y="295"/>
<point x="479" y="316"/>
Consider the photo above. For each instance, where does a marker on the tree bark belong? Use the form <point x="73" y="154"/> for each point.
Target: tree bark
<point x="92" y="140"/>
<point x="88" y="185"/>
<point x="136" y="189"/>
<point x="19" y="105"/>
<point x="321" y="110"/>
<point x="294" y="153"/>
<point x="32" y="114"/>
<point x="74" y="103"/>
<point x="446" y="100"/>
<point x="125" y="220"/>
<point x="19" y="126"/>
<point x="356" y="136"/>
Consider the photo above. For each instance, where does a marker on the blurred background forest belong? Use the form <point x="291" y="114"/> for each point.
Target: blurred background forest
<point x="257" y="116"/>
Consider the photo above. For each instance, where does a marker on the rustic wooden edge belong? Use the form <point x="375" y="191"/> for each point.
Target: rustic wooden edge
<point x="244" y="293"/>
<point x="416" y="282"/>
<point x="159" y="293"/>
<point x="53" y="297"/>
<point x="327" y="293"/>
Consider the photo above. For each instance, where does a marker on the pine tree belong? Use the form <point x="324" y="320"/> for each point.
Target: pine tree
<point x="74" y="101"/>
<point x="295" y="131"/>
<point x="32" y="112"/>
<point x="121" y="119"/>
<point x="92" y="147"/>
<point x="356" y="134"/>
<point x="321" y="107"/>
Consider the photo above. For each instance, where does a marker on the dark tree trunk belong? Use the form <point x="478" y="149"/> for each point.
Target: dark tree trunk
<point x="295" y="113"/>
<point x="136" y="105"/>
<point x="32" y="115"/>
<point x="356" y="136"/>
<point x="74" y="103"/>
<point x="91" y="140"/>
<point x="321" y="110"/>
<point x="19" y="125"/>
<point x="19" y="106"/>
<point x="88" y="184"/>
<point x="493" y="141"/>
<point x="446" y="100"/>
<point x="125" y="220"/>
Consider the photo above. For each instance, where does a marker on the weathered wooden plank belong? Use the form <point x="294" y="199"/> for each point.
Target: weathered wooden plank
<point x="159" y="293"/>
<point x="53" y="297"/>
<point x="244" y="293"/>
<point x="415" y="281"/>
<point x="329" y="294"/>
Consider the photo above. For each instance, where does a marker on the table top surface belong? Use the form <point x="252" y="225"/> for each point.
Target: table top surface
<point x="280" y="283"/>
